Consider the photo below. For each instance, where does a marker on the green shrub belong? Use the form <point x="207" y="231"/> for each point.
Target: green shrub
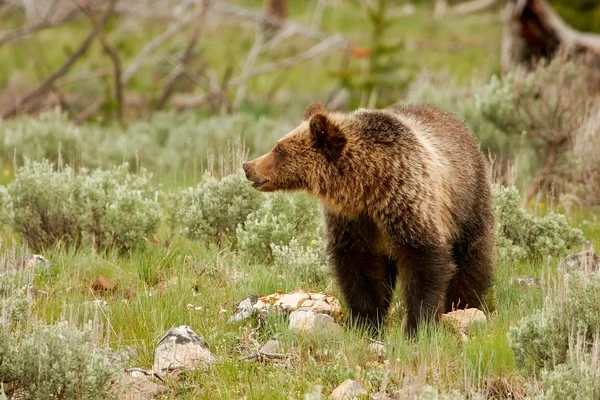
<point x="167" y="141"/>
<point x="307" y="263"/>
<point x="281" y="218"/>
<point x="107" y="208"/>
<point x="543" y="340"/>
<point x="522" y="235"/>
<point x="42" y="361"/>
<point x="6" y="207"/>
<point x="547" y="120"/>
<point x="213" y="210"/>
<point x="577" y="379"/>
<point x="55" y="361"/>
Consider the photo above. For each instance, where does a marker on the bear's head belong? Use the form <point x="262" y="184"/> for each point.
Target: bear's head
<point x="300" y="159"/>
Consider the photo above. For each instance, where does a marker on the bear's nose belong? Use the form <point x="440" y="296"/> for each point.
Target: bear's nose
<point x="246" y="166"/>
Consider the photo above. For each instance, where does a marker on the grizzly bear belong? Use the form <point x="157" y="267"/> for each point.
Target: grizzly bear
<point x="405" y="192"/>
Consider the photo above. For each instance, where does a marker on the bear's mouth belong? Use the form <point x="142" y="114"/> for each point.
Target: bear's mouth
<point x="257" y="184"/>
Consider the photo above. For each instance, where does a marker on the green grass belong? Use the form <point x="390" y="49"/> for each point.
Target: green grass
<point x="164" y="280"/>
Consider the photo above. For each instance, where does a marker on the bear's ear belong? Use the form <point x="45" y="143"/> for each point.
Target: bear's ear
<point x="314" y="108"/>
<point x="326" y="135"/>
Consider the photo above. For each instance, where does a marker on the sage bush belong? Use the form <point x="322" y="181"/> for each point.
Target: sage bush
<point x="213" y="209"/>
<point x="106" y="208"/>
<point x="524" y="235"/>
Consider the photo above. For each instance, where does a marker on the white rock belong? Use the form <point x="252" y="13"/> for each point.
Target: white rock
<point x="244" y="309"/>
<point x="461" y="320"/>
<point x="349" y="389"/>
<point x="181" y="348"/>
<point x="286" y="303"/>
<point x="291" y="301"/>
<point x="307" y="321"/>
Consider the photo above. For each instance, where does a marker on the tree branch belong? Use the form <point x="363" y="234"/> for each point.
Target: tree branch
<point x="31" y="29"/>
<point x="151" y="47"/>
<point x="333" y="42"/>
<point x="184" y="59"/>
<point x="62" y="70"/>
<point x="113" y="55"/>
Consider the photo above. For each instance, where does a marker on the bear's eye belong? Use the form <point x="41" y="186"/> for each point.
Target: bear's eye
<point x="279" y="151"/>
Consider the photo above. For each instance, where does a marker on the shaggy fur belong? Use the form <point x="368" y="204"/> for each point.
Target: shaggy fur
<point x="405" y="193"/>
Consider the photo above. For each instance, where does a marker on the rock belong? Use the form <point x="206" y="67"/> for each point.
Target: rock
<point x="307" y="321"/>
<point x="40" y="260"/>
<point x="133" y="388"/>
<point x="525" y="281"/>
<point x="586" y="262"/>
<point x="349" y="389"/>
<point x="460" y="321"/>
<point x="377" y="348"/>
<point x="244" y="309"/>
<point x="181" y="348"/>
<point x="285" y="303"/>
<point x="270" y="347"/>
<point x="103" y="285"/>
<point x="32" y="261"/>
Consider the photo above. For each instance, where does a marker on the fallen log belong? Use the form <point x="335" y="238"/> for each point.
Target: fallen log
<point x="533" y="30"/>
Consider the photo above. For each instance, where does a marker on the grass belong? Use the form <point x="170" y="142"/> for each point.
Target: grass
<point x="164" y="280"/>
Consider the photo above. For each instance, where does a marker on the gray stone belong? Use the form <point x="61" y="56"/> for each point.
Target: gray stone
<point x="270" y="347"/>
<point x="348" y="390"/>
<point x="181" y="349"/>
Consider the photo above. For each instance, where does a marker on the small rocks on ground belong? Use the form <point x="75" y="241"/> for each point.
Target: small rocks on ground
<point x="134" y="388"/>
<point x="244" y="309"/>
<point x="377" y="348"/>
<point x="460" y="321"/>
<point x="307" y="321"/>
<point x="348" y="390"/>
<point x="585" y="262"/>
<point x="286" y="303"/>
<point x="181" y="349"/>
<point x="270" y="347"/>
<point x="525" y="281"/>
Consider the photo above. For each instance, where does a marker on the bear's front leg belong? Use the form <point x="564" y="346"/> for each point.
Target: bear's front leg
<point x="426" y="272"/>
<point x="367" y="280"/>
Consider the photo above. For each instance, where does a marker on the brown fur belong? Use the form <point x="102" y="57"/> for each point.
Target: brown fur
<point x="405" y="191"/>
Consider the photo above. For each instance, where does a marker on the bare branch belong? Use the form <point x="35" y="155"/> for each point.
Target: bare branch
<point x="151" y="47"/>
<point x="250" y="60"/>
<point x="31" y="29"/>
<point x="261" y="18"/>
<point x="472" y="6"/>
<point x="184" y="59"/>
<point x="61" y="71"/>
<point x="326" y="46"/>
<point x="113" y="55"/>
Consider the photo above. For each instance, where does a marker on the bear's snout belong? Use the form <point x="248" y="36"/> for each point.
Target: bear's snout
<point x="246" y="166"/>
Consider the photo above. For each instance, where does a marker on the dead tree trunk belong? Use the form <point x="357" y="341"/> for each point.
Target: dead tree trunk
<point x="275" y="10"/>
<point x="533" y="30"/>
